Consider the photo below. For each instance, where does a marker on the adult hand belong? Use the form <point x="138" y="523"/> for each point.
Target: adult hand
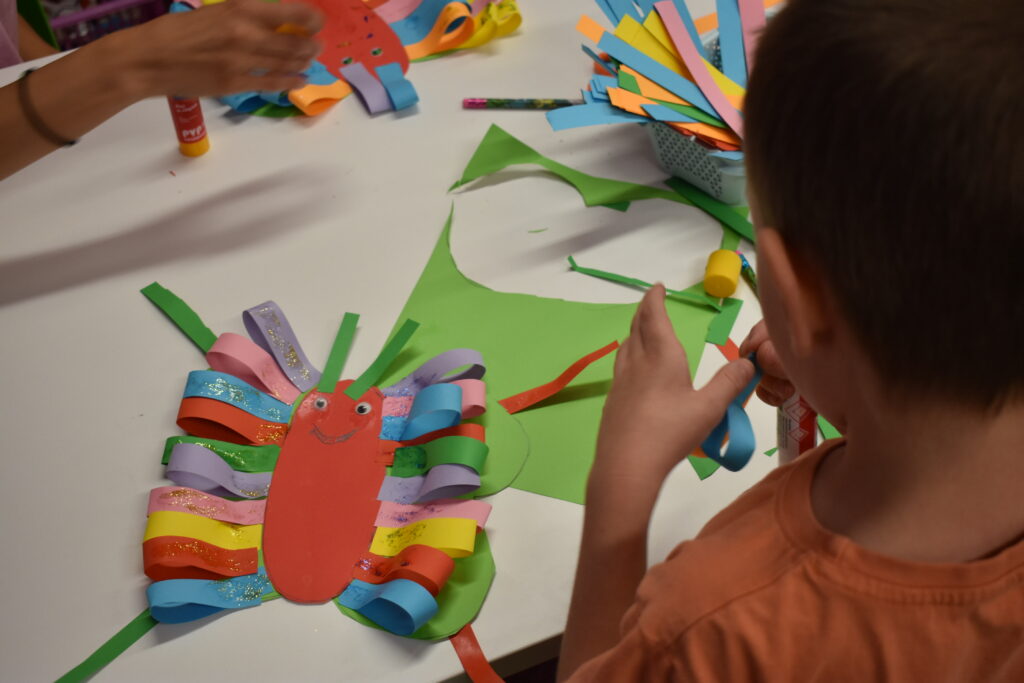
<point x="774" y="387"/>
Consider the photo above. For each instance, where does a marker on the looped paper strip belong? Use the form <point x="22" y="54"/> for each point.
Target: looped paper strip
<point x="269" y="328"/>
<point x="399" y="606"/>
<point x="235" y="355"/>
<point x="438" y="406"/>
<point x="736" y="425"/>
<point x="453" y="27"/>
<point x="240" y="458"/>
<point x="474" y="397"/>
<point x="370" y="90"/>
<point x="207" y="418"/>
<point x="192" y="501"/>
<point x="181" y="600"/>
<point x="199" y="468"/>
<point x="470" y="429"/>
<point x="322" y="90"/>
<point x="395" y="515"/>
<point x="401" y="92"/>
<point x="231" y="390"/>
<point x="221" y="534"/>
<point x="440" y="368"/>
<point x="443" y="481"/>
<point x="453" y="536"/>
<point x="496" y="20"/>
<point x="429" y="567"/>
<point x="411" y="461"/>
<point x="181" y="557"/>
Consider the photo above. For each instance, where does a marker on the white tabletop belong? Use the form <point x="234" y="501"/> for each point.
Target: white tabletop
<point x="328" y="215"/>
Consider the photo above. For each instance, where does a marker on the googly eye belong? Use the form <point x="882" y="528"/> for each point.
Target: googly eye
<point x="347" y="60"/>
<point x="377" y="51"/>
<point x="320" y="403"/>
<point x="364" y="408"/>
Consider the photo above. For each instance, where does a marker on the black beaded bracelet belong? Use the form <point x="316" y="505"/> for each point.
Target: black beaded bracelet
<point x="33" y="116"/>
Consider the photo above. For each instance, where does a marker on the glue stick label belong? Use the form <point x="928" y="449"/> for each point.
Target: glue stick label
<point x="188" y="119"/>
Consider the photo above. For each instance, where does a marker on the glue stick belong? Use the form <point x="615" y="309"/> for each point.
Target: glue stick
<point x="796" y="428"/>
<point x="188" y="123"/>
<point x="722" y="274"/>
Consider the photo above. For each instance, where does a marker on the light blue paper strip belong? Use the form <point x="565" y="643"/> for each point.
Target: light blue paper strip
<point x="593" y="55"/>
<point x="420" y="23"/>
<point x="673" y="82"/>
<point x="400" y="606"/>
<point x="660" y="112"/>
<point x="591" y="114"/>
<point x="625" y="8"/>
<point x="401" y="92"/>
<point x="609" y="11"/>
<point x="177" y="601"/>
<point x="691" y="28"/>
<point x="588" y="97"/>
<point x="438" y="406"/>
<point x="735" y="424"/>
<point x="226" y="388"/>
<point x="730" y="41"/>
<point x="243" y="102"/>
<point x="729" y="156"/>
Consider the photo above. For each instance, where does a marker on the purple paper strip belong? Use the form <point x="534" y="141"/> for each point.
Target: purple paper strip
<point x="370" y="90"/>
<point x="200" y="468"/>
<point x="448" y="481"/>
<point x="435" y="369"/>
<point x="269" y="328"/>
<point x="402" y="490"/>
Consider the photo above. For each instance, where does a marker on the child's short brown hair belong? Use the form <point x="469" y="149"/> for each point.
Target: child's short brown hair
<point x="885" y="142"/>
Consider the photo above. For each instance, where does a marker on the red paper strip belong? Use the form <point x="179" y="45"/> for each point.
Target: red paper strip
<point x="179" y="557"/>
<point x="426" y="565"/>
<point x="513" y="404"/>
<point x="729" y="350"/>
<point x="470" y="429"/>
<point x="473" y="659"/>
<point x="208" y="418"/>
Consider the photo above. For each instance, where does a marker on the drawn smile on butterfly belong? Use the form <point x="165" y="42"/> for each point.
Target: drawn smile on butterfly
<point x="328" y="439"/>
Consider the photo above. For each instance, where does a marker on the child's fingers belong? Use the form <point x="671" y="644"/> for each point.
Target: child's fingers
<point x="777" y="386"/>
<point x="655" y="326"/>
<point x="768" y="359"/>
<point x="757" y="336"/>
<point x="725" y="386"/>
<point x="299" y="16"/>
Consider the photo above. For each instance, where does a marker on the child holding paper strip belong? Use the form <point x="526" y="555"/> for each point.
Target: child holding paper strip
<point x="885" y="165"/>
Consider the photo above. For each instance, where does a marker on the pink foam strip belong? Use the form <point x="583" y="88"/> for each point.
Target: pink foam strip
<point x="753" y="20"/>
<point x="397" y="406"/>
<point x="688" y="51"/>
<point x="234" y="354"/>
<point x="183" y="499"/>
<point x="396" y="515"/>
<point x="474" y="397"/>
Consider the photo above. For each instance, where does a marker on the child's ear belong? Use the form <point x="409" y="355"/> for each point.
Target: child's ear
<point x="800" y="291"/>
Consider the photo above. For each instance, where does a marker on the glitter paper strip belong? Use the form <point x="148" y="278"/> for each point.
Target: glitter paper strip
<point x="181" y="557"/>
<point x="399" y="606"/>
<point x="206" y="418"/>
<point x="192" y="501"/>
<point x="443" y="481"/>
<point x="396" y="515"/>
<point x="231" y="390"/>
<point x="199" y="468"/>
<point x="221" y="534"/>
<point x="240" y="458"/>
<point x="235" y="355"/>
<point x="269" y="328"/>
<point x="182" y="600"/>
<point x="429" y="567"/>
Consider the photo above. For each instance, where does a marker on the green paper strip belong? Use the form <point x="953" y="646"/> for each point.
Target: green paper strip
<point x="704" y="467"/>
<point x="240" y="458"/>
<point x="110" y="650"/>
<point x="339" y="352"/>
<point x="386" y="357"/>
<point x="723" y="213"/>
<point x="187" y="320"/>
<point x="730" y="241"/>
<point x="827" y="430"/>
<point x="721" y="326"/>
<point x="460" y="599"/>
<point x="499" y="150"/>
<point x="687" y="295"/>
<point x="771" y="451"/>
<point x="410" y="461"/>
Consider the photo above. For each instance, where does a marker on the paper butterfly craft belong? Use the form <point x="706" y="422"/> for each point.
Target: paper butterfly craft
<point x="291" y="483"/>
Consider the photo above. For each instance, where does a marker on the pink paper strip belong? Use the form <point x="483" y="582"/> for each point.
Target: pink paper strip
<point x="183" y="499"/>
<point x="397" y="406"/>
<point x="397" y="515"/>
<point x="474" y="397"/>
<point x="396" y="10"/>
<point x="234" y="354"/>
<point x="753" y="20"/>
<point x="688" y="51"/>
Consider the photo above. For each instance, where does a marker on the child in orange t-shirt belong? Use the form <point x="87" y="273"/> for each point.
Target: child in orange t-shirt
<point x="886" y="167"/>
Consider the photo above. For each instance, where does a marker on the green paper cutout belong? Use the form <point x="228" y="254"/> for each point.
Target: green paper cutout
<point x="460" y="599"/>
<point x="387" y="356"/>
<point x="727" y="215"/>
<point x="499" y="150"/>
<point x="187" y="320"/>
<point x="534" y="232"/>
<point x="240" y="458"/>
<point x="827" y="430"/>
<point x="721" y="326"/>
<point x="526" y="341"/>
<point x="276" y="111"/>
<point x="771" y="451"/>
<point x="110" y="650"/>
<point x="689" y="295"/>
<point x="339" y="352"/>
<point x="704" y="467"/>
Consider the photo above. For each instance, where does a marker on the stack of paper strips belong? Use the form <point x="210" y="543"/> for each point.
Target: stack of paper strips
<point x="656" y="68"/>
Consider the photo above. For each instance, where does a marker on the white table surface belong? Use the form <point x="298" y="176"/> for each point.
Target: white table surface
<point x="324" y="216"/>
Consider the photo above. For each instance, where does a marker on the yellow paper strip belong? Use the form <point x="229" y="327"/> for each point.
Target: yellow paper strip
<point x="454" y="537"/>
<point x="220" y="534"/>
<point x="630" y="31"/>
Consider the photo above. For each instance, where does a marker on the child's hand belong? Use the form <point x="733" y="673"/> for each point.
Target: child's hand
<point x="653" y="416"/>
<point x="774" y="387"/>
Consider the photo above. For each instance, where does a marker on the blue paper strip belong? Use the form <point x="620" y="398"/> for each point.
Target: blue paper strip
<point x="438" y="406"/>
<point x="177" y="601"/>
<point x="611" y="68"/>
<point x="400" y="91"/>
<point x="660" y="112"/>
<point x="591" y="114"/>
<point x="735" y="424"/>
<point x="400" y="606"/>
<point x="226" y="388"/>
<point x="660" y="74"/>
<point x="418" y="25"/>
<point x="691" y="28"/>
<point x="243" y="102"/>
<point x="730" y="41"/>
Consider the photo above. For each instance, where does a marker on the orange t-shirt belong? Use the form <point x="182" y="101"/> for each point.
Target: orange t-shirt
<point x="764" y="593"/>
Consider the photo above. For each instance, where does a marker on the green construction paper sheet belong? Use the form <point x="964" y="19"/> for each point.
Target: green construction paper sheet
<point x="527" y="341"/>
<point x="499" y="150"/>
<point x="721" y="326"/>
<point x="459" y="600"/>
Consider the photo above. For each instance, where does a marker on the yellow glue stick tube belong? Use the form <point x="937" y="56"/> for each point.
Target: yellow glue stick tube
<point x="722" y="273"/>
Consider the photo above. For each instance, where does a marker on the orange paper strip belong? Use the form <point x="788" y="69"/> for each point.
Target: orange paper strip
<point x="513" y="404"/>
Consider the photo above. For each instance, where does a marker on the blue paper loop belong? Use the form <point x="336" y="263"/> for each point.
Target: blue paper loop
<point x="400" y="91"/>
<point x="226" y="388"/>
<point x="735" y="424"/>
<point x="400" y="606"/>
<point x="177" y="601"/>
<point x="438" y="406"/>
